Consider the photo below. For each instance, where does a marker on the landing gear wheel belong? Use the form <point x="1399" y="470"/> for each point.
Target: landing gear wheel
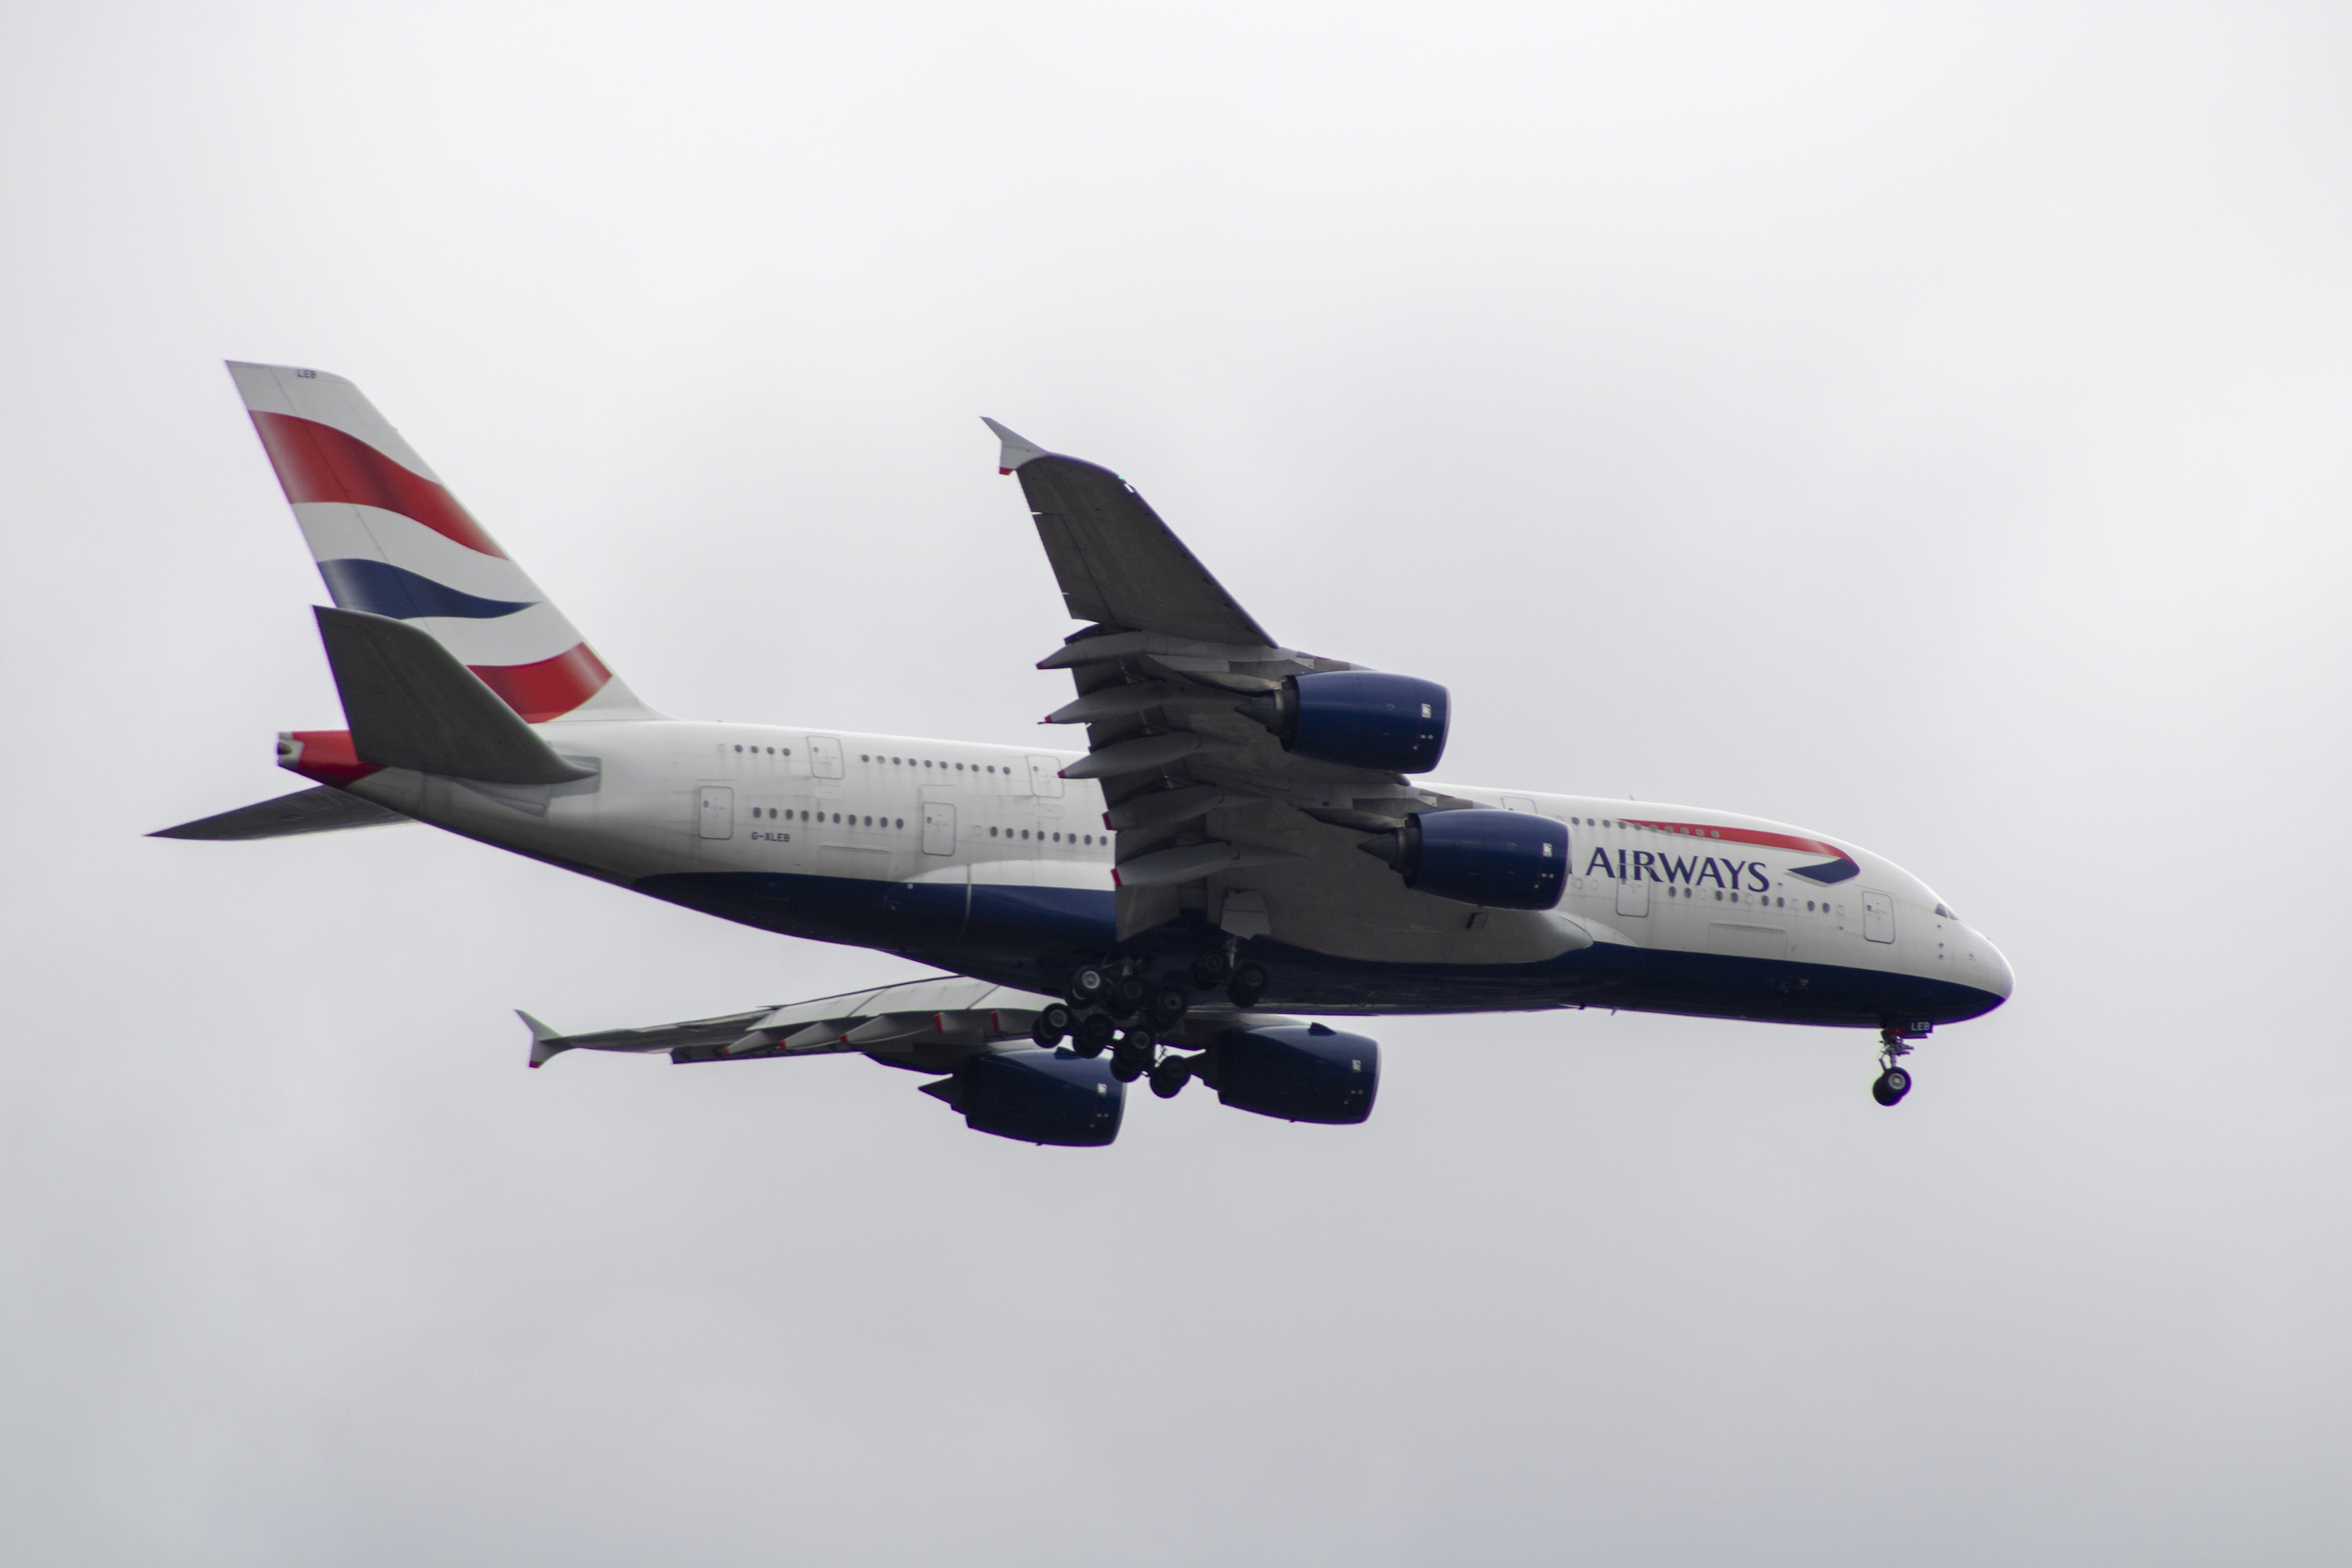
<point x="1127" y="995"/>
<point x="1165" y="1009"/>
<point x="1127" y="1063"/>
<point x="1892" y="1086"/>
<point x="1211" y="968"/>
<point x="1053" y="1022"/>
<point x="1168" y="1077"/>
<point x="1089" y="983"/>
<point x="1094" y="1032"/>
<point x="1248" y="983"/>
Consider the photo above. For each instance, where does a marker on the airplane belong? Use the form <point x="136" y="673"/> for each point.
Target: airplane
<point x="1248" y="835"/>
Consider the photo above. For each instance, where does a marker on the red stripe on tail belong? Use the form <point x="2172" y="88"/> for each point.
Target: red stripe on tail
<point x="316" y="462"/>
<point x="550" y="689"/>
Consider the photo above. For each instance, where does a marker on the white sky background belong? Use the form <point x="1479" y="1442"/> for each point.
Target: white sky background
<point x="1924" y="425"/>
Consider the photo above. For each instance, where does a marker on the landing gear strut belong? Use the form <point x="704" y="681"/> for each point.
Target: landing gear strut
<point x="1893" y="1079"/>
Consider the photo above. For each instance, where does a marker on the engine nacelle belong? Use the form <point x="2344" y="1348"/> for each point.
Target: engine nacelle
<point x="1358" y="717"/>
<point x="1036" y="1096"/>
<point x="1496" y="859"/>
<point x="1298" y="1072"/>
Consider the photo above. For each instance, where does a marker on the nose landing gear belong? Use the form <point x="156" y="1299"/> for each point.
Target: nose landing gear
<point x="1893" y="1079"/>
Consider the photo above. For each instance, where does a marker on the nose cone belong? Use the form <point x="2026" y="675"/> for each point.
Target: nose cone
<point x="1998" y="978"/>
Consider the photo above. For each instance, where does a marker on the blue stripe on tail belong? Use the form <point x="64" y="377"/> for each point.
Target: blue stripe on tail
<point x="382" y="589"/>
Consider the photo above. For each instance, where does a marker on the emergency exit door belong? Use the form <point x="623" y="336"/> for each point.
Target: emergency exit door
<point x="717" y="811"/>
<point x="938" y="827"/>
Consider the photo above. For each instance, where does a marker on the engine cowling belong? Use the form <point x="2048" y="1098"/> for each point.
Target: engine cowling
<point x="1036" y="1096"/>
<point x="1360" y="718"/>
<point x="1297" y="1072"/>
<point x="1496" y="859"/>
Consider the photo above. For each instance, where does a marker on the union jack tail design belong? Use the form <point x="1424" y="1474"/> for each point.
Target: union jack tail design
<point x="390" y="539"/>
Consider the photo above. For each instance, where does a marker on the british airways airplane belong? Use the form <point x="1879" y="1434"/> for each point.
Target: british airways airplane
<point x="1248" y="828"/>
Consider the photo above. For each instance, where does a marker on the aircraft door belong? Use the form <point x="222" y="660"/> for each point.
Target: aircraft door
<point x="825" y="756"/>
<point x="938" y="827"/>
<point x="1877" y="917"/>
<point x="1633" y="896"/>
<point x="716" y="811"/>
<point x="1046" y="777"/>
<point x="1518" y="803"/>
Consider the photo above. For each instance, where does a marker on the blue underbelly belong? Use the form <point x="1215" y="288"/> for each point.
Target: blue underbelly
<point x="1032" y="937"/>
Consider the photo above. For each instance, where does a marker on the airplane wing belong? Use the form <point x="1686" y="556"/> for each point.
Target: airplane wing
<point x="1118" y="563"/>
<point x="1198" y="790"/>
<point x="919" y="1021"/>
<point x="926" y="1025"/>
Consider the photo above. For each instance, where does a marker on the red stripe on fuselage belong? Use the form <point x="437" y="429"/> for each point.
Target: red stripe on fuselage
<point x="316" y="462"/>
<point x="550" y="689"/>
<point x="1742" y="835"/>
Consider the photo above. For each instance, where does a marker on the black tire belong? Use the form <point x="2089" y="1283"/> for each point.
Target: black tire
<point x="1166" y="1008"/>
<point x="1891" y="1087"/>
<point x="1168" y="1079"/>
<point x="1127" y="1066"/>
<point x="1094" y="1032"/>
<point x="1248" y="983"/>
<point x="1089" y="983"/>
<point x="1127" y="994"/>
<point x="1212" y="968"/>
<point x="1052" y="1024"/>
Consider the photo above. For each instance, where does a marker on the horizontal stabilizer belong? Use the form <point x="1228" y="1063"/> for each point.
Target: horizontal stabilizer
<point x="410" y="704"/>
<point x="321" y="810"/>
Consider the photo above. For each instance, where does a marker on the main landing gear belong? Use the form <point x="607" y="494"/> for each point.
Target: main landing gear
<point x="1893" y="1079"/>
<point x="1114" y="1006"/>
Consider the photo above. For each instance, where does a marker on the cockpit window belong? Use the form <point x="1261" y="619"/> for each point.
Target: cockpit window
<point x="1945" y="910"/>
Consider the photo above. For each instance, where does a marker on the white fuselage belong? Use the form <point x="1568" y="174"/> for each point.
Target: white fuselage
<point x="799" y="817"/>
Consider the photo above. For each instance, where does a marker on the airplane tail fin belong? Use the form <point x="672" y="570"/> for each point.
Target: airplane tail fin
<point x="391" y="540"/>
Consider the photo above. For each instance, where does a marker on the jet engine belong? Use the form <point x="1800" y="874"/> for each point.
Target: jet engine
<point x="1358" y="717"/>
<point x="1298" y="1072"/>
<point x="1036" y="1096"/>
<point x="1495" y="859"/>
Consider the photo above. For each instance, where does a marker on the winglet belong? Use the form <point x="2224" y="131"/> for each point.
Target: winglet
<point x="544" y="1042"/>
<point x="1017" y="449"/>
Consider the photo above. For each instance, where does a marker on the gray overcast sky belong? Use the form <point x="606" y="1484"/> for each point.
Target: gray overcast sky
<point x="1926" y="424"/>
